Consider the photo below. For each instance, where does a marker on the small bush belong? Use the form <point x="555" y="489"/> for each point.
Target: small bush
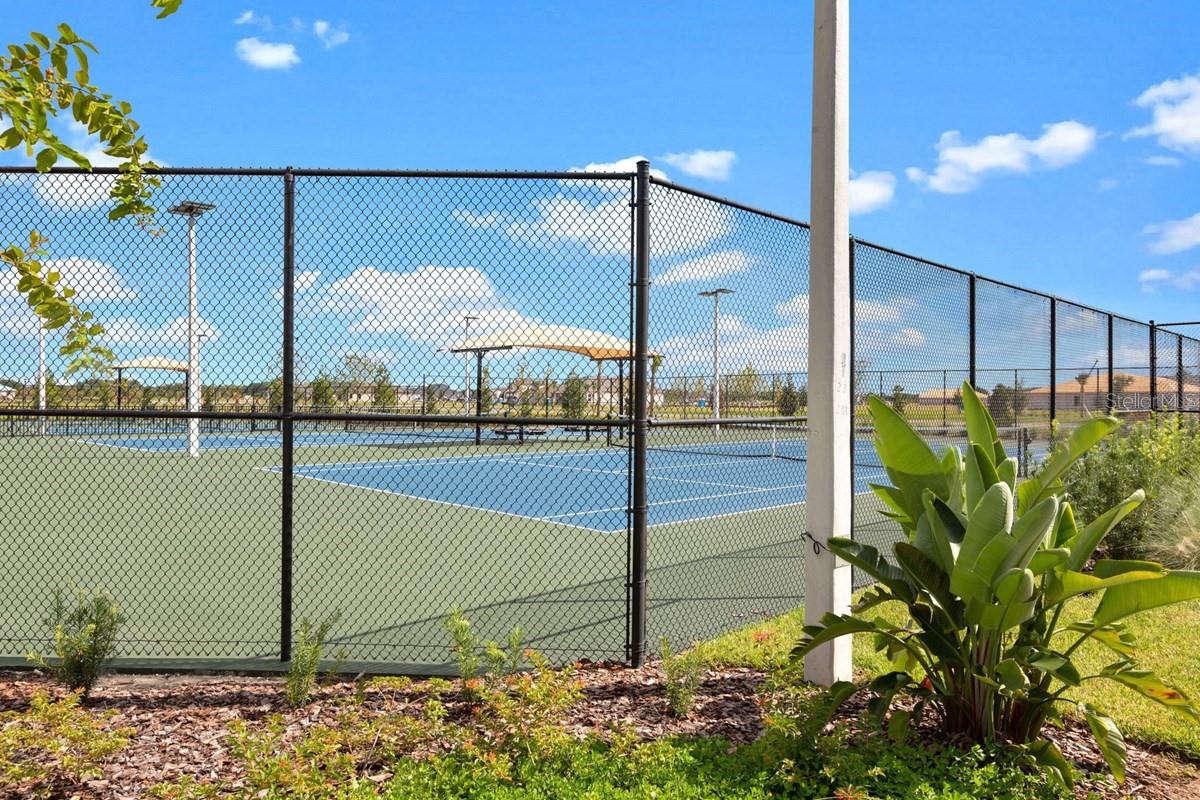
<point x="306" y="659"/>
<point x="1149" y="456"/>
<point x="480" y="662"/>
<point x="1173" y="535"/>
<point x="85" y="638"/>
<point x="52" y="743"/>
<point x="684" y="674"/>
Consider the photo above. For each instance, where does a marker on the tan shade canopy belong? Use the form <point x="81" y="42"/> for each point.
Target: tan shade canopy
<point x="153" y="362"/>
<point x="591" y="344"/>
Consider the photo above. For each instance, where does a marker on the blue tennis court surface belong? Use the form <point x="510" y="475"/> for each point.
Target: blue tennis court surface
<point x="582" y="489"/>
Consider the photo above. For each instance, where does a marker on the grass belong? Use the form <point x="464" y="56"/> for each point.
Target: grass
<point x="1167" y="644"/>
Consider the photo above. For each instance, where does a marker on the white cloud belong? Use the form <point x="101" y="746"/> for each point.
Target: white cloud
<point x="620" y="165"/>
<point x="329" y="35"/>
<point x="1107" y="184"/>
<point x="1163" y="161"/>
<point x="93" y="281"/>
<point x="780" y="349"/>
<point x="713" y="165"/>
<point x="427" y="304"/>
<point x="871" y="191"/>
<point x="1175" y="235"/>
<point x="908" y="337"/>
<point x="245" y="18"/>
<point x="267" y="55"/>
<point x="303" y="282"/>
<point x="130" y="330"/>
<point x="680" y="224"/>
<point x="1152" y="279"/>
<point x="706" y="267"/>
<point x="1175" y="108"/>
<point x="961" y="166"/>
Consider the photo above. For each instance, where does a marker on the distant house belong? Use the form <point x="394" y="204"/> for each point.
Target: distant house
<point x="946" y="397"/>
<point x="7" y="393"/>
<point x="1130" y="393"/>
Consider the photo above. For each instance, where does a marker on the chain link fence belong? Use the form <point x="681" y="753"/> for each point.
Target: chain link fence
<point x="571" y="402"/>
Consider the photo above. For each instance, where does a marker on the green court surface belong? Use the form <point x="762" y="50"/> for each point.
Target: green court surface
<point x="191" y="551"/>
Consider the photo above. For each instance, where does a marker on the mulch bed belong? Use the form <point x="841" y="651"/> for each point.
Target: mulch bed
<point x="182" y="723"/>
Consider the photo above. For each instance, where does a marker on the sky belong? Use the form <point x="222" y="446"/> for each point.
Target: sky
<point x="1050" y="145"/>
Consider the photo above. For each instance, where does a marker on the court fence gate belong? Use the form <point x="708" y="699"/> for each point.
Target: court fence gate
<point x="567" y="401"/>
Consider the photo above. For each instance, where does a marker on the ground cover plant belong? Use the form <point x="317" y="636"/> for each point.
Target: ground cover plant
<point x="85" y="638"/>
<point x="985" y="573"/>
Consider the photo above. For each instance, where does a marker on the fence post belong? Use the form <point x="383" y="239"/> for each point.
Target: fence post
<point x="1153" y="366"/>
<point x="289" y="359"/>
<point x="1053" y="359"/>
<point x="1112" y="401"/>
<point x="971" y="338"/>
<point x="1179" y="372"/>
<point x="827" y="578"/>
<point x="641" y="419"/>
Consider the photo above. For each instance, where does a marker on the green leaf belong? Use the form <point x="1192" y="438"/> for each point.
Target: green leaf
<point x="1108" y="738"/>
<point x="1082" y="439"/>
<point x="870" y="561"/>
<point x="1057" y="665"/>
<point x="10" y="139"/>
<point x="1119" y="602"/>
<point x="832" y="626"/>
<point x="1149" y="685"/>
<point x="1071" y="583"/>
<point x="1114" y="637"/>
<point x="41" y="38"/>
<point x="1086" y="542"/>
<point x="1109" y="567"/>
<point x="898" y="725"/>
<point x="1011" y="676"/>
<point x="46" y="159"/>
<point x="981" y="428"/>
<point x="926" y="573"/>
<point x="1047" y="756"/>
<point x="991" y="518"/>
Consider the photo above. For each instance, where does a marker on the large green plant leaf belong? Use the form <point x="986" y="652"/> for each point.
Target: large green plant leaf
<point x="991" y="518"/>
<point x="926" y="573"/>
<point x="1149" y="685"/>
<point x="981" y="428"/>
<point x="1119" y="602"/>
<point x="1047" y="756"/>
<point x="1115" y="637"/>
<point x="900" y="447"/>
<point x="831" y="626"/>
<point x="1082" y="439"/>
<point x="1070" y="583"/>
<point x="979" y="475"/>
<point x="1086" y="542"/>
<point x="872" y="562"/>
<point x="1108" y="738"/>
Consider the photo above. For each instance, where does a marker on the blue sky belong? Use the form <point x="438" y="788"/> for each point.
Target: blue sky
<point x="1052" y="145"/>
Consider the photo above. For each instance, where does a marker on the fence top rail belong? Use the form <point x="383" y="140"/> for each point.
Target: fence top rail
<point x="566" y="175"/>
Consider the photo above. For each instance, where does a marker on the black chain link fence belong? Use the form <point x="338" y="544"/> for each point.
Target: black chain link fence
<point x="566" y="401"/>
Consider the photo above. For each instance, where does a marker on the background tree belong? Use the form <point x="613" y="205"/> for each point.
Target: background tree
<point x="322" y="392"/>
<point x="42" y="79"/>
<point x="356" y="373"/>
<point x="383" y="391"/>
<point x="656" y="362"/>
<point x="899" y="399"/>
<point x="744" y="385"/>
<point x="486" y="396"/>
<point x="574" y="397"/>
<point x="789" y="400"/>
<point x="1000" y="404"/>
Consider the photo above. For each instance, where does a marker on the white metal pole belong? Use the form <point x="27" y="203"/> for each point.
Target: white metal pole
<point x="467" y="320"/>
<point x="827" y="580"/>
<point x="193" y="374"/>
<point x="716" y="363"/>
<point x="41" y="375"/>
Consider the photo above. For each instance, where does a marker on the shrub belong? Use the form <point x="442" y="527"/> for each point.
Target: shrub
<point x="684" y="674"/>
<point x="481" y="661"/>
<point x="85" y="639"/>
<point x="306" y="660"/>
<point x="1173" y="533"/>
<point x="984" y="572"/>
<point x="51" y="743"/>
<point x="1147" y="456"/>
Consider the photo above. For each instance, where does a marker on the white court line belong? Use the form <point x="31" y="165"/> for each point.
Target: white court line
<point x="675" y="501"/>
<point x="123" y="446"/>
<point x="374" y="464"/>
<point x="452" y="505"/>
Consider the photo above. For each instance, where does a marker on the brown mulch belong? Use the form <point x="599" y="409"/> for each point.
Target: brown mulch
<point x="182" y="721"/>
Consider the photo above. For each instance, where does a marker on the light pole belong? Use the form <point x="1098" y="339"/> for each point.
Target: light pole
<point x="193" y="210"/>
<point x="715" y="294"/>
<point x="467" y="320"/>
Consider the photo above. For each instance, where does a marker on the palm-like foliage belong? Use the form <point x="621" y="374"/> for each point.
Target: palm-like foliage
<point x="985" y="571"/>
